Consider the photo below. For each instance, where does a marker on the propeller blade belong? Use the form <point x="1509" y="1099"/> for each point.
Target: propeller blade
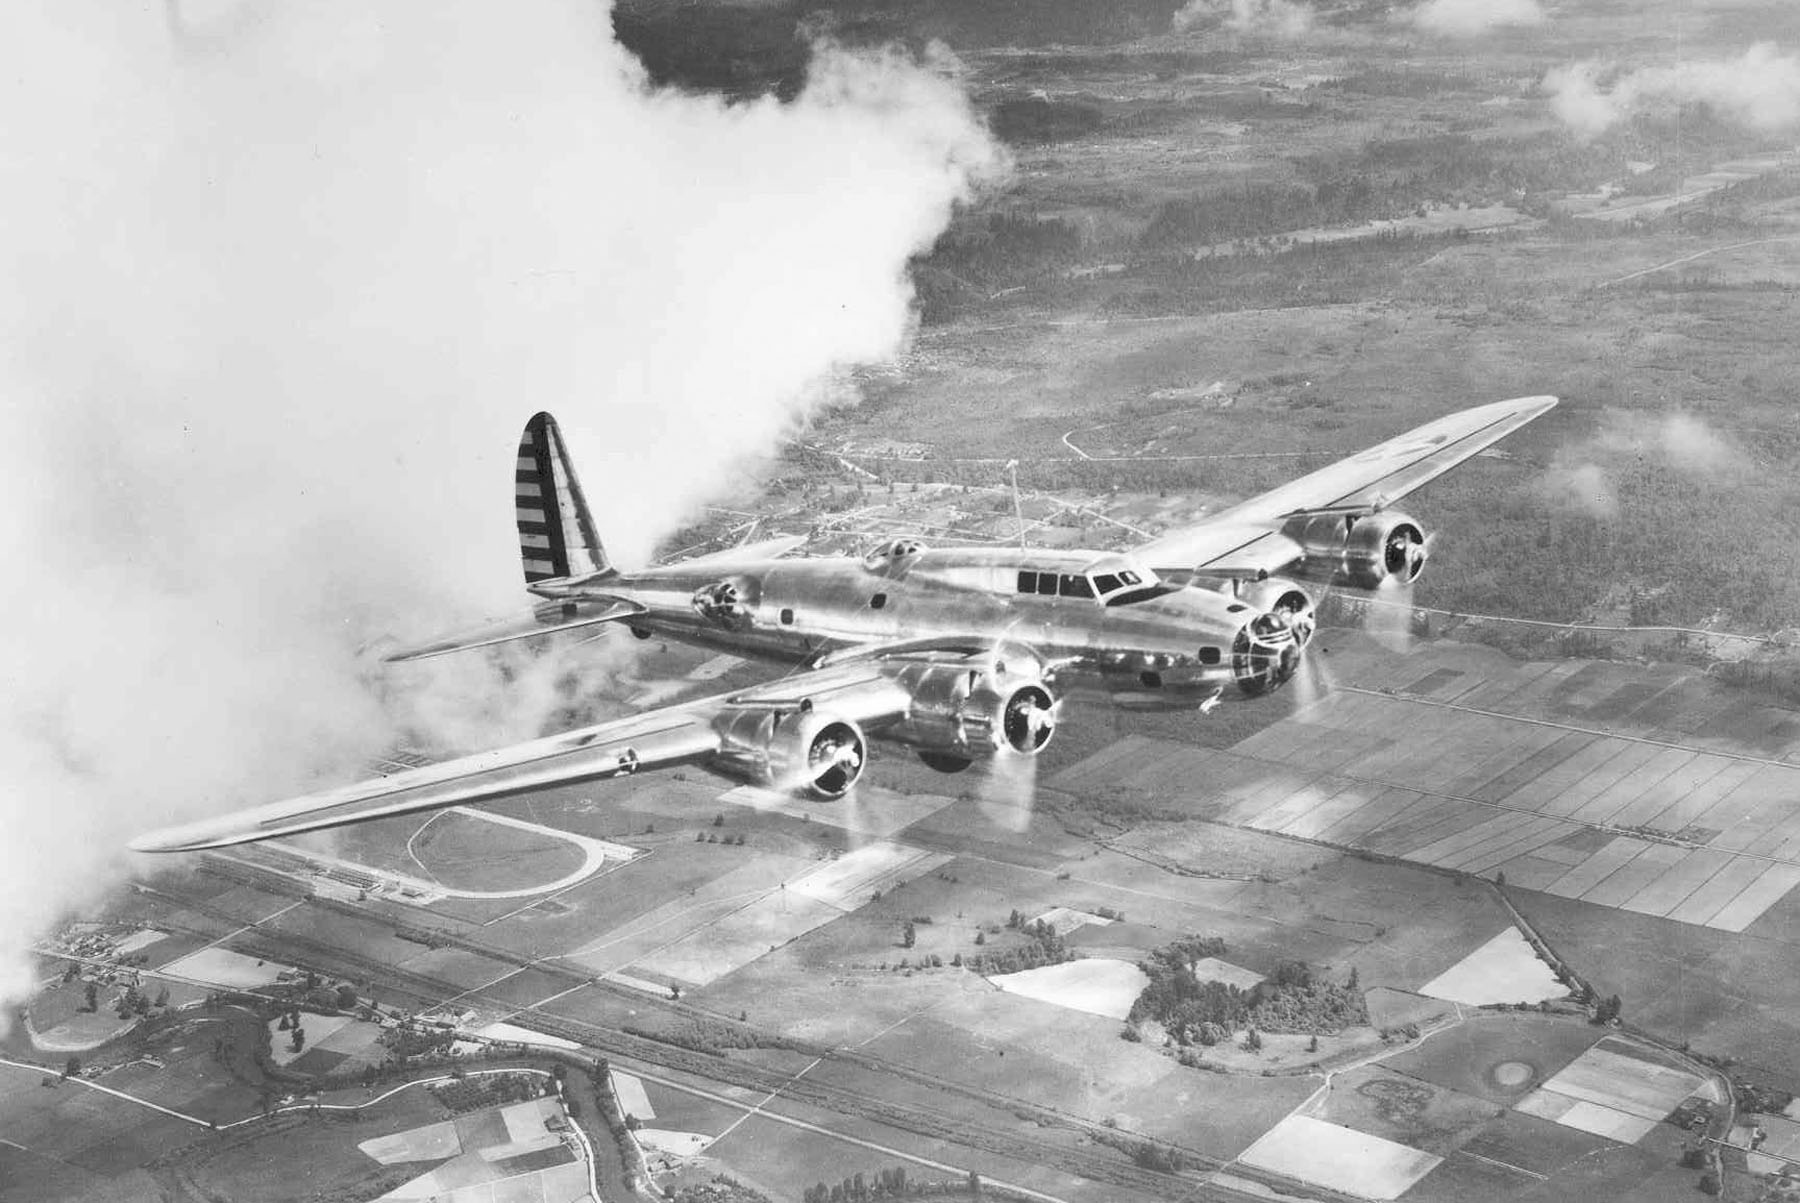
<point x="1388" y="617"/>
<point x="1006" y="789"/>
<point x="1314" y="681"/>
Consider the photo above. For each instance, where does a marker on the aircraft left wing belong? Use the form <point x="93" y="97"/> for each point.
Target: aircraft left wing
<point x="804" y="731"/>
<point x="1248" y="537"/>
<point x="591" y="753"/>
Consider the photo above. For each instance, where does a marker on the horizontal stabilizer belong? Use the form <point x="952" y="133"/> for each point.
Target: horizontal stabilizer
<point x="546" y="619"/>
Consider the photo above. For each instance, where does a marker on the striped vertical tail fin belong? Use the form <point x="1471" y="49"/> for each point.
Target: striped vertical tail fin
<point x="556" y="533"/>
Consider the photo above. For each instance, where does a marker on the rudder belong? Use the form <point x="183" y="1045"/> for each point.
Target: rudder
<point x="557" y="537"/>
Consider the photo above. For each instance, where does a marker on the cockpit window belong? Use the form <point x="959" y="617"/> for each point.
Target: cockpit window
<point x="1076" y="586"/>
<point x="1127" y="587"/>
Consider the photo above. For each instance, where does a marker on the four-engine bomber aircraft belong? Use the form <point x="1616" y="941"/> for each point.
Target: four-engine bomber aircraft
<point x="960" y="653"/>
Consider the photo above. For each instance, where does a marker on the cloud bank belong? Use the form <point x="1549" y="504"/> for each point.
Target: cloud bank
<point x="282" y="283"/>
<point x="1759" y="89"/>
<point x="1583" y="476"/>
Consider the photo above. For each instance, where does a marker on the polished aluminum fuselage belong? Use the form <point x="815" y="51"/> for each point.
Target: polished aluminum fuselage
<point x="1173" y="641"/>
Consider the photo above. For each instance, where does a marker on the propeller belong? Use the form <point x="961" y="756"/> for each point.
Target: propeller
<point x="833" y="757"/>
<point x="1270" y="648"/>
<point x="835" y="760"/>
<point x="1405" y="554"/>
<point x="1313" y="682"/>
<point x="1006" y="789"/>
<point x="1029" y="721"/>
<point x="1006" y="783"/>
<point x="1388" y="617"/>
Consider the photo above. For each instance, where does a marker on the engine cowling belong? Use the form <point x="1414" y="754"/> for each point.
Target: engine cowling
<point x="1267" y="650"/>
<point x="802" y="751"/>
<point x="962" y="713"/>
<point x="1363" y="552"/>
<point x="729" y="603"/>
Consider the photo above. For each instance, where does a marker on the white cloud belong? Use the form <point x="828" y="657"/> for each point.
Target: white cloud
<point x="1584" y="475"/>
<point x="1584" y="487"/>
<point x="1760" y="90"/>
<point x="282" y="283"/>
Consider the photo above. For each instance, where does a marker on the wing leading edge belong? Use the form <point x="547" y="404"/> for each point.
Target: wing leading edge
<point x="588" y="754"/>
<point x="1247" y="536"/>
<point x="691" y="733"/>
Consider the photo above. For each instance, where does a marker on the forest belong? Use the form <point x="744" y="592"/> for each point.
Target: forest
<point x="1192" y="1010"/>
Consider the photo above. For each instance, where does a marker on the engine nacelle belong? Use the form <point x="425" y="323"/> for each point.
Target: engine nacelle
<point x="965" y="713"/>
<point x="800" y="751"/>
<point x="1280" y="594"/>
<point x="1267" y="650"/>
<point x="730" y="603"/>
<point x="1363" y="552"/>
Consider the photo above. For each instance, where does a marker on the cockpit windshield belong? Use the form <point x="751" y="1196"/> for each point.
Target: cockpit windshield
<point x="1054" y="584"/>
<point x="1120" y="586"/>
<point x="1109" y="587"/>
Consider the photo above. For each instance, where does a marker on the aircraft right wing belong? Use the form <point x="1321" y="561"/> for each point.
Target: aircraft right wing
<point x="804" y="731"/>
<point x="1248" y="537"/>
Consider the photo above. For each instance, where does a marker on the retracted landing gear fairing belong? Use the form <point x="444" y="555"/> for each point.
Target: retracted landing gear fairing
<point x="962" y="653"/>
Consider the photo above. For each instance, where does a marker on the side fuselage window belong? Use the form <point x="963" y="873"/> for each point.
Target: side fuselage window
<point x="1028" y="582"/>
<point x="1076" y="586"/>
<point x="1046" y="584"/>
